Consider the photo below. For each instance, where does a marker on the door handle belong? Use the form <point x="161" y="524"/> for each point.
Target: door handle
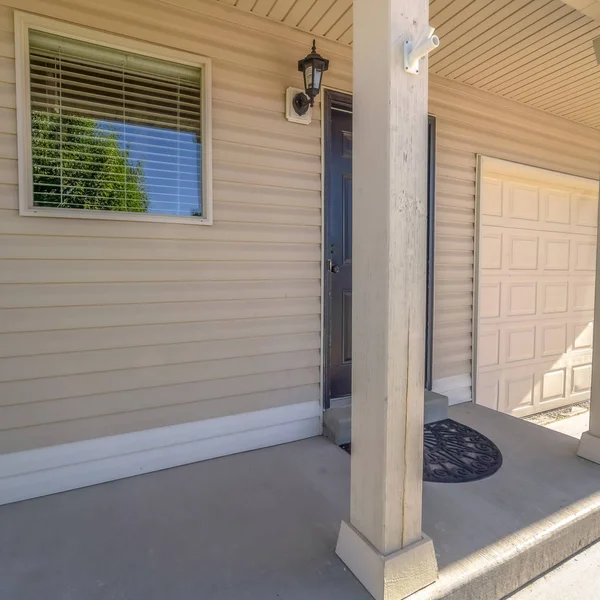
<point x="333" y="268"/>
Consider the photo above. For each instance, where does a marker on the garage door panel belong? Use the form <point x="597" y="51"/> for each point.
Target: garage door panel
<point x="586" y="211"/>
<point x="523" y="251"/>
<point x="554" y="298"/>
<point x="491" y="196"/>
<point x="488" y="347"/>
<point x="490" y="299"/>
<point x="522" y="200"/>
<point x="580" y="317"/>
<point x="528" y="389"/>
<point x="582" y="334"/>
<point x="519" y="391"/>
<point x="556" y="254"/>
<point x="552" y="339"/>
<point x="538" y="207"/>
<point x="554" y="385"/>
<point x="513" y="249"/>
<point x="491" y="251"/>
<point x="521" y="298"/>
<point x="581" y="378"/>
<point x="537" y="255"/>
<point x="488" y="390"/>
<point x="582" y="295"/>
<point x="557" y="206"/>
<point x="584" y="255"/>
<point x="519" y="343"/>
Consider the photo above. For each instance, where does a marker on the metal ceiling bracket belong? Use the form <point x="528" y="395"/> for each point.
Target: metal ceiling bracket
<point x="413" y="53"/>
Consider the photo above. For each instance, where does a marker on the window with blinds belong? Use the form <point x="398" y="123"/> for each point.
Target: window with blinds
<point x="114" y="130"/>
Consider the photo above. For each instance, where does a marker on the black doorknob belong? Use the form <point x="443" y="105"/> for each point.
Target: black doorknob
<point x="333" y="267"/>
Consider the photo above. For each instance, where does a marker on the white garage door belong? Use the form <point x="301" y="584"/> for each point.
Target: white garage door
<point x="536" y="270"/>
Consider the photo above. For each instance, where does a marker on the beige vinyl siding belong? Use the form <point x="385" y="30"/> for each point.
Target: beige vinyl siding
<point x="471" y="122"/>
<point x="112" y="327"/>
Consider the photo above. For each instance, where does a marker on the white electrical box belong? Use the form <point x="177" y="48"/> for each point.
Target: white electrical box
<point x="290" y="113"/>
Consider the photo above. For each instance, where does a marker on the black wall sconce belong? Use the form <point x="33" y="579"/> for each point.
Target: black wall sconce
<point x="312" y="66"/>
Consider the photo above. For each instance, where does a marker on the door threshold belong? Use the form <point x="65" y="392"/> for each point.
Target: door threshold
<point x="337" y="420"/>
<point x="341" y="402"/>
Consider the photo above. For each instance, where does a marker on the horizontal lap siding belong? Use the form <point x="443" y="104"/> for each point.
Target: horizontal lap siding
<point x="111" y="327"/>
<point x="470" y="122"/>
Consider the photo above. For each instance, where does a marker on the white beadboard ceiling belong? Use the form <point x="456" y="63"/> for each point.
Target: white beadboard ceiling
<point x="538" y="52"/>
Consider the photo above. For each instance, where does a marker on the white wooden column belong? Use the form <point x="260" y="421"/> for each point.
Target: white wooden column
<point x="383" y="543"/>
<point x="589" y="446"/>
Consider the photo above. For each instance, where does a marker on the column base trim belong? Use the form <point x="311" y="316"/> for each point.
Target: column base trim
<point x="390" y="577"/>
<point x="589" y="447"/>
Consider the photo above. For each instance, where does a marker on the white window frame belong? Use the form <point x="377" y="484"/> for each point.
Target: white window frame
<point x="23" y="23"/>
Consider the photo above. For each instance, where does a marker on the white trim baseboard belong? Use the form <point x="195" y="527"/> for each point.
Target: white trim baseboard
<point x="34" y="473"/>
<point x="457" y="388"/>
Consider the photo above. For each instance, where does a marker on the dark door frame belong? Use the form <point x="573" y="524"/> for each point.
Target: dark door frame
<point x="430" y="279"/>
<point x="340" y="101"/>
<point x="334" y="100"/>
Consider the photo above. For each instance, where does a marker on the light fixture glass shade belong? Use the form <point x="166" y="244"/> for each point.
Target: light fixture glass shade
<point x="312" y="67"/>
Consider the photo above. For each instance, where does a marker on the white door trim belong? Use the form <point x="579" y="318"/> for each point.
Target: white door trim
<point x="475" y="313"/>
<point x="457" y="388"/>
<point x="39" y="472"/>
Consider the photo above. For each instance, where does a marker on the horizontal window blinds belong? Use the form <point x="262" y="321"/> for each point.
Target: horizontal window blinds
<point x="112" y="130"/>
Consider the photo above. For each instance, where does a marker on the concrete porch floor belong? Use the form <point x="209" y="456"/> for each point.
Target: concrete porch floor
<point x="263" y="525"/>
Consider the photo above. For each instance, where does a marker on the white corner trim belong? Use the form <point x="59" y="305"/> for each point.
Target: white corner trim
<point x="44" y="471"/>
<point x="456" y="388"/>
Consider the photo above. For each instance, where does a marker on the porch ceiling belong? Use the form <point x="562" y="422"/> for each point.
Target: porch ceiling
<point x="538" y="52"/>
<point x="591" y="8"/>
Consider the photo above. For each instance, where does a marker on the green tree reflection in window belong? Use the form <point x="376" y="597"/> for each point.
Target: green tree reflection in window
<point x="78" y="164"/>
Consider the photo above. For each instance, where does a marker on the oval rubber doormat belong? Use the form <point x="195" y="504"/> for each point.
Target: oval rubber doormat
<point x="455" y="453"/>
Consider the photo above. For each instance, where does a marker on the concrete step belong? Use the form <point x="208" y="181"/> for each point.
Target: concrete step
<point x="337" y="424"/>
<point x="337" y="421"/>
<point x="436" y="407"/>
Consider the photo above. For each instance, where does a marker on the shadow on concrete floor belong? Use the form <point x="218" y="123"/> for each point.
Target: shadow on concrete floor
<point x="263" y="525"/>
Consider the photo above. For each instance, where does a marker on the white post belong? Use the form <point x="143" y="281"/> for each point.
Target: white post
<point x="383" y="544"/>
<point x="589" y="446"/>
